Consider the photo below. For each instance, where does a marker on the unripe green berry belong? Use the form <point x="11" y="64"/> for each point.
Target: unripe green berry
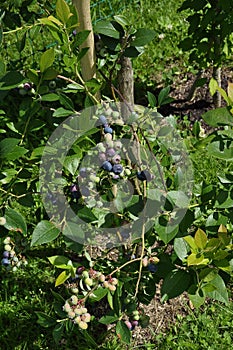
<point x="115" y="115"/>
<point x="83" y="325"/>
<point x="136" y="317"/>
<point x="78" y="311"/>
<point x="74" y="299"/>
<point x="108" y="137"/>
<point x="88" y="281"/>
<point x="77" y="319"/>
<point x="85" y="274"/>
<point x="127" y="171"/>
<point x="74" y="290"/>
<point x="84" y="310"/>
<point x="7" y="247"/>
<point x="7" y="240"/>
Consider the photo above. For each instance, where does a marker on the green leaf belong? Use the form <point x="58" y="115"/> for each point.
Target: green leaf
<point x="62" y="112"/>
<point x="163" y="97"/>
<point x="44" y="232"/>
<point x="191" y="242"/>
<point x="219" y="116"/>
<point x="98" y="294"/>
<point x="151" y="99"/>
<point x="59" y="261"/>
<point x="50" y="97"/>
<point x="196" y="299"/>
<point x="10" y="150"/>
<point x="123" y="332"/>
<point x="73" y="231"/>
<point x="63" y="11"/>
<point x="71" y="163"/>
<point x="179" y="198"/>
<point x="142" y="37"/>
<point x="66" y="101"/>
<point x="11" y="80"/>
<point x="200" y="238"/>
<point x="64" y="275"/>
<point x="58" y="332"/>
<point x="45" y="320"/>
<point x="181" y="248"/>
<point x="15" y="221"/>
<point x="166" y="233"/>
<point x="213" y="86"/>
<point x="221" y="149"/>
<point x="86" y="215"/>
<point x="108" y="319"/>
<point x="196" y="260"/>
<point x="81" y="37"/>
<point x="46" y="60"/>
<point x="220" y="292"/>
<point x="175" y="283"/>
<point x="106" y="28"/>
<point x="122" y="20"/>
<point x="50" y="74"/>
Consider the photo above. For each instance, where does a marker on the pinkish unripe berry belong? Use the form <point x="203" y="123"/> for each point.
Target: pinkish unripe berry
<point x="145" y="261"/>
<point x="129" y="325"/>
<point x="86" y="317"/>
<point x="67" y="307"/>
<point x="71" y="314"/>
<point x="111" y="287"/>
<point x="2" y="220"/>
<point x="106" y="284"/>
<point x="134" y="323"/>
<point x="102" y="278"/>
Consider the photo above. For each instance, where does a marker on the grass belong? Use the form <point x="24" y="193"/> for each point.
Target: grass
<point x="211" y="329"/>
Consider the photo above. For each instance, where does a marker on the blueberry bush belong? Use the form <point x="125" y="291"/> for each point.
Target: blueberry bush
<point x="116" y="191"/>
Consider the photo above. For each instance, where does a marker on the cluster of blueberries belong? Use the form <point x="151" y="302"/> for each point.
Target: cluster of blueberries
<point x="109" y="160"/>
<point x="10" y="259"/>
<point x="108" y="155"/>
<point x="74" y="306"/>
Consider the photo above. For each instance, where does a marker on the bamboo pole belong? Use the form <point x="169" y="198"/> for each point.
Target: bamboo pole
<point x="88" y="62"/>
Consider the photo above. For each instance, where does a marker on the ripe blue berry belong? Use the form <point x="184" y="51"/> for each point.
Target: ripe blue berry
<point x="108" y="130"/>
<point x="83" y="172"/>
<point x="6" y="254"/>
<point x="152" y="268"/>
<point x="5" y="262"/>
<point x="107" y="166"/>
<point x="75" y="191"/>
<point x="102" y="119"/>
<point x="144" y="175"/>
<point x="117" y="168"/>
